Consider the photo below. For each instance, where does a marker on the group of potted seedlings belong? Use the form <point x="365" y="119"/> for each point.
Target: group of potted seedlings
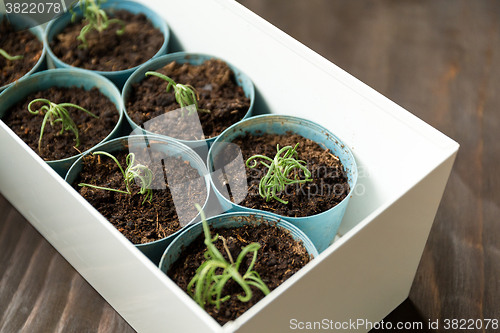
<point x="284" y="182"/>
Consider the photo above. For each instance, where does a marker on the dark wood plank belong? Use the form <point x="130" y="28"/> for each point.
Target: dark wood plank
<point x="40" y="291"/>
<point x="438" y="59"/>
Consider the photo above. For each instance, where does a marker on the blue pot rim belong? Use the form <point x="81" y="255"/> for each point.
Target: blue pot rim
<point x="68" y="71"/>
<point x="299" y="120"/>
<point x="183" y="55"/>
<point x="171" y="143"/>
<point x="279" y="222"/>
<point x="42" y="39"/>
<point x="144" y="9"/>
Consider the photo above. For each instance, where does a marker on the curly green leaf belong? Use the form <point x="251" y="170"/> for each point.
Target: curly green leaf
<point x="277" y="176"/>
<point x="57" y="113"/>
<point x="185" y="95"/>
<point x="9" y="57"/>
<point x="133" y="172"/>
<point x="96" y="19"/>
<point x="208" y="285"/>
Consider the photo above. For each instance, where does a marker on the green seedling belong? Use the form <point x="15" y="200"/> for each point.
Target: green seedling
<point x="9" y="57"/>
<point x="184" y="94"/>
<point x="57" y="113"/>
<point x="132" y="172"/>
<point x="95" y="17"/>
<point x="279" y="170"/>
<point x="208" y="284"/>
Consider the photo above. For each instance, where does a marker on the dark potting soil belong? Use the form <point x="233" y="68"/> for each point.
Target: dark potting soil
<point x="17" y="43"/>
<point x="54" y="144"/>
<point x="279" y="257"/>
<point x="151" y="221"/>
<point x="107" y="51"/>
<point x="328" y="187"/>
<point x="216" y="85"/>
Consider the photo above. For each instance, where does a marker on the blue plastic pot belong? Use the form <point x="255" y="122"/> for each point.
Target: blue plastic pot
<point x="117" y="77"/>
<point x="68" y="77"/>
<point x="155" y="249"/>
<point x="320" y="228"/>
<point x="21" y="22"/>
<point x="195" y="59"/>
<point x="230" y="220"/>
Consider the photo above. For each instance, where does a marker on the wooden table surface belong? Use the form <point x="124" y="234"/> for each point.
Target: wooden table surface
<point x="439" y="59"/>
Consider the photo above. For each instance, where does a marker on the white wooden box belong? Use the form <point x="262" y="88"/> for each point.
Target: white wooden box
<point x="403" y="166"/>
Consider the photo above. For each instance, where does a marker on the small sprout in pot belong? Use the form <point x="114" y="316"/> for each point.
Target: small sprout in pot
<point x="208" y="284"/>
<point x="57" y="113"/>
<point x="9" y="57"/>
<point x="96" y="17"/>
<point x="279" y="169"/>
<point x="132" y="172"/>
<point x="184" y="94"/>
